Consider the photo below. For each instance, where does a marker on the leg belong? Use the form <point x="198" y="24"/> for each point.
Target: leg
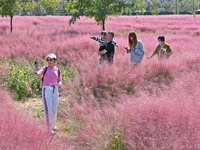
<point x="47" y="103"/>
<point x="55" y="105"/>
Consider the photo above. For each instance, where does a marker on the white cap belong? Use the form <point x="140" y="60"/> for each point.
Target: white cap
<point x="51" y="56"/>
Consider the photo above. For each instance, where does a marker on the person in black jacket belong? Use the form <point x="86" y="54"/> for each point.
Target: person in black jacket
<point x="107" y="55"/>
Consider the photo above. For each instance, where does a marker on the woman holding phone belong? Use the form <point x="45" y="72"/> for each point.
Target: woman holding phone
<point x="135" y="49"/>
<point x="51" y="80"/>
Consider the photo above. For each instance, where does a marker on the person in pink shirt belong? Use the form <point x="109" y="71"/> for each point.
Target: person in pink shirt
<point x="194" y="14"/>
<point x="51" y="81"/>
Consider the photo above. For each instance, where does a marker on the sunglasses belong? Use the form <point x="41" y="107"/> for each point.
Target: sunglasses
<point x="50" y="59"/>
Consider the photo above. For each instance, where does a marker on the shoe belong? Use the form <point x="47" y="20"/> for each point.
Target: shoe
<point x="52" y="132"/>
<point x="55" y="129"/>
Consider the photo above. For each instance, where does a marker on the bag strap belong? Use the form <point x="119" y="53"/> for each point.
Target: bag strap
<point x="58" y="72"/>
<point x="44" y="73"/>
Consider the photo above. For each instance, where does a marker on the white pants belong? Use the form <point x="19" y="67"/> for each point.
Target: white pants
<point x="50" y="102"/>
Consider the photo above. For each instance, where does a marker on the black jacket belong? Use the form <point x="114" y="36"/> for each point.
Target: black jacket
<point x="110" y="53"/>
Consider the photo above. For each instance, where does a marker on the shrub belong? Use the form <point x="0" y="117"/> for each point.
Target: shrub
<point x="21" y="80"/>
<point x="116" y="142"/>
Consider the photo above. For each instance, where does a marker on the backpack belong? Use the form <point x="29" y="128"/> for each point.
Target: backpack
<point x="42" y="79"/>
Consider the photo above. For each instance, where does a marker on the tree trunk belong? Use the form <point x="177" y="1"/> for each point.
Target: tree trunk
<point x="193" y="6"/>
<point x="11" y="24"/>
<point x="103" y="23"/>
<point x="176" y="7"/>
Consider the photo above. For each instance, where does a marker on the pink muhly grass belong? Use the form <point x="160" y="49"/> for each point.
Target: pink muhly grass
<point x="18" y="132"/>
<point x="154" y="105"/>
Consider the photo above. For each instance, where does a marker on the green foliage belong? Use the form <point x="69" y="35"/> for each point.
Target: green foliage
<point x="116" y="143"/>
<point x="188" y="5"/>
<point x="39" y="112"/>
<point x="155" y="7"/>
<point x="166" y="5"/>
<point x="9" y="7"/>
<point x="26" y="6"/>
<point x="140" y="6"/>
<point x="38" y="10"/>
<point x="99" y="9"/>
<point x="72" y="125"/>
<point x="176" y="7"/>
<point x="50" y="6"/>
<point x="67" y="73"/>
<point x="19" y="79"/>
<point x="22" y="81"/>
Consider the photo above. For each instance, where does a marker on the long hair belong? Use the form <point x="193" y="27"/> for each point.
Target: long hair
<point x="134" y="42"/>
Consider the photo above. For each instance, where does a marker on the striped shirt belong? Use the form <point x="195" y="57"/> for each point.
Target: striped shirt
<point x="102" y="42"/>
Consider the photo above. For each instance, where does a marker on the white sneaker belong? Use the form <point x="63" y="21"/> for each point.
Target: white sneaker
<point x="55" y="129"/>
<point x="52" y="132"/>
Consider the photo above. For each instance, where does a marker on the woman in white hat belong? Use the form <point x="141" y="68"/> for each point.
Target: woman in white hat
<point x="51" y="80"/>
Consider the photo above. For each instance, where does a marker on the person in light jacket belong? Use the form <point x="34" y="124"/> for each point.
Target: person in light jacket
<point x="135" y="49"/>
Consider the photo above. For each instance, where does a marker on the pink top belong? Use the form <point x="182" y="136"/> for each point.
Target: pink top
<point x="51" y="76"/>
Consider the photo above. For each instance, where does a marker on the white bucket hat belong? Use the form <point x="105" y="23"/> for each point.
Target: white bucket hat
<point x="51" y="56"/>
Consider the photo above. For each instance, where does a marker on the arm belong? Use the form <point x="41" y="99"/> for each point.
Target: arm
<point x="114" y="43"/>
<point x="103" y="52"/>
<point x="168" y="51"/>
<point x="140" y="51"/>
<point x="127" y="49"/>
<point x="112" y="51"/>
<point x="59" y="80"/>
<point x="154" y="53"/>
<point x="95" y="38"/>
<point x="40" y="72"/>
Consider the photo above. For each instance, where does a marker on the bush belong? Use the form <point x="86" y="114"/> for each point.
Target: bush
<point x="22" y="81"/>
<point x="38" y="10"/>
<point x="116" y="142"/>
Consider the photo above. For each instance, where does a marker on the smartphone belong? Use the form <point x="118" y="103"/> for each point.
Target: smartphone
<point x="124" y="46"/>
<point x="36" y="63"/>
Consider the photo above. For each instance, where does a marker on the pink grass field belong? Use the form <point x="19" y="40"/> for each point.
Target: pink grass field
<point x="22" y="133"/>
<point x="155" y="106"/>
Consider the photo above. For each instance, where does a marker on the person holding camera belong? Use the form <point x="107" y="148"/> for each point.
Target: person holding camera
<point x="163" y="49"/>
<point x="135" y="49"/>
<point x="51" y="80"/>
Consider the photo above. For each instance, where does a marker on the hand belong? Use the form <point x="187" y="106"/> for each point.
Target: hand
<point x="60" y="84"/>
<point x="103" y="52"/>
<point x="125" y="47"/>
<point x="148" y="57"/>
<point x="35" y="69"/>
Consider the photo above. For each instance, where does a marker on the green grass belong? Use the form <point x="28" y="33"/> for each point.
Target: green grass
<point x="116" y="142"/>
<point x="21" y="80"/>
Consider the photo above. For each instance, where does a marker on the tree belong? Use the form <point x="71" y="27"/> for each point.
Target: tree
<point x="194" y="5"/>
<point x="50" y="6"/>
<point x="185" y="6"/>
<point x="155" y="9"/>
<point x="9" y="8"/>
<point x="140" y="6"/>
<point x="166" y="5"/>
<point x="176" y="6"/>
<point x="99" y="9"/>
<point x="26" y="6"/>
